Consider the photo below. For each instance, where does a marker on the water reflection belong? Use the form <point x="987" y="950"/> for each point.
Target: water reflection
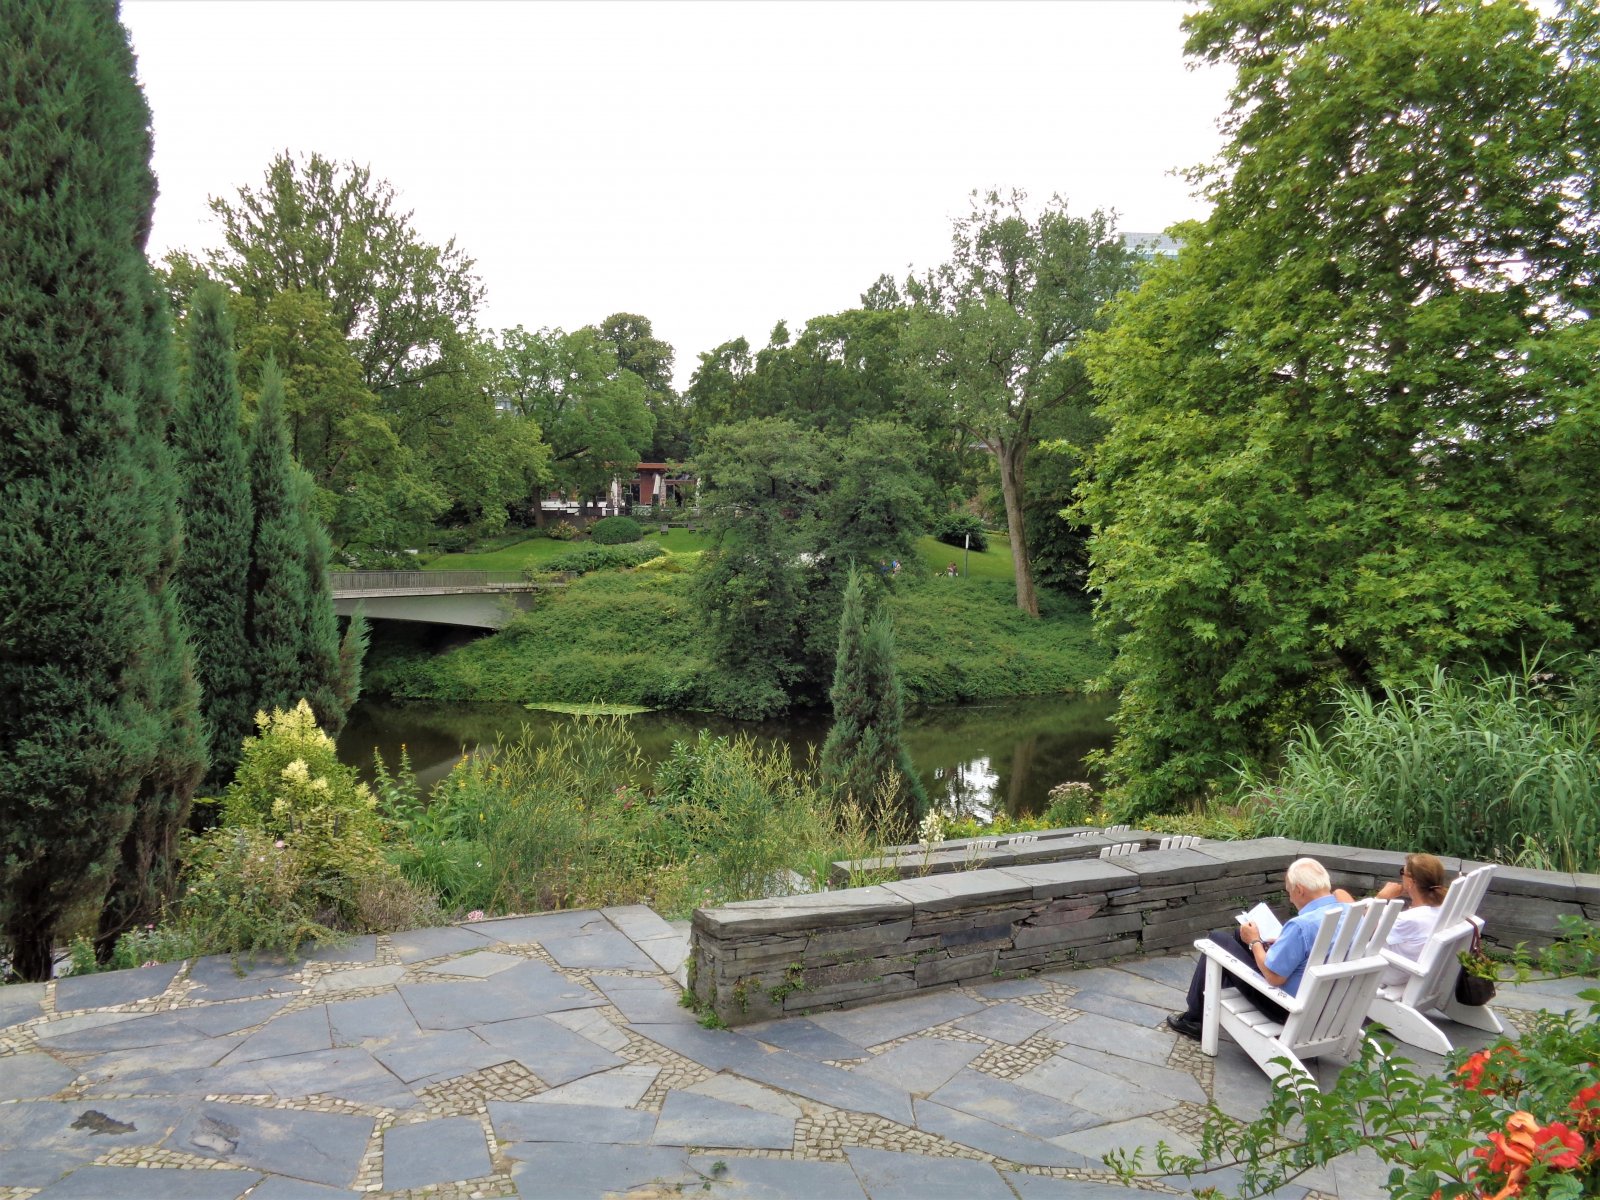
<point x="978" y="759"/>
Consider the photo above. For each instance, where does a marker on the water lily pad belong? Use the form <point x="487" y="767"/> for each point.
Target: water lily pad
<point x="588" y="710"/>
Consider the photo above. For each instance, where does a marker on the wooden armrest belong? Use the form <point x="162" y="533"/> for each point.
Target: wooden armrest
<point x="1245" y="973"/>
<point x="1409" y="965"/>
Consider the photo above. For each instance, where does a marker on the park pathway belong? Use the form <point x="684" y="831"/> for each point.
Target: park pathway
<point x="548" y="1056"/>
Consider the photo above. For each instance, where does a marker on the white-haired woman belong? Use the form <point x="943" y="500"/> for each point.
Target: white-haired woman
<point x="1281" y="963"/>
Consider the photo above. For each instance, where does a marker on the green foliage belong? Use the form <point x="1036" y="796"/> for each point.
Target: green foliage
<point x="595" y="558"/>
<point x="1510" y="1120"/>
<point x="999" y="325"/>
<point x="249" y="893"/>
<point x="561" y="531"/>
<point x="614" y="531"/>
<point x="99" y="727"/>
<point x="1342" y="430"/>
<point x="276" y="603"/>
<point x="1072" y="803"/>
<point x="1498" y="767"/>
<point x="633" y="340"/>
<point x="863" y="757"/>
<point x="960" y="529"/>
<point x="215" y="502"/>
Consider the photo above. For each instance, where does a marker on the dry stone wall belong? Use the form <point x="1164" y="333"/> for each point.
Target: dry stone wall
<point x="796" y="954"/>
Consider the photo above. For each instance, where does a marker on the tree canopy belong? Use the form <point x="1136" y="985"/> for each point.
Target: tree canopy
<point x="998" y="327"/>
<point x="1353" y="423"/>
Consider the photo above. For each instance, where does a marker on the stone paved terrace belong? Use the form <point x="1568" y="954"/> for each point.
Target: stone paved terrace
<point x="547" y="1056"/>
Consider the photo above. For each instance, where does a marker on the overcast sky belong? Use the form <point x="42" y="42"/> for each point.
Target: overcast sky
<point x="714" y="166"/>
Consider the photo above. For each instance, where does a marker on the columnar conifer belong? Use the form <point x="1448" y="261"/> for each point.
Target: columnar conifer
<point x="276" y="606"/>
<point x="864" y="751"/>
<point x="93" y="665"/>
<point x="319" y="642"/>
<point x="215" y="501"/>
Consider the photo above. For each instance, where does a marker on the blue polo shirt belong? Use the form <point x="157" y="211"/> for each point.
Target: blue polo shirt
<point x="1287" y="955"/>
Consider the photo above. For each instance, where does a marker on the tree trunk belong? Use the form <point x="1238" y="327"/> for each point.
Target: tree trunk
<point x="1010" y="457"/>
<point x="30" y="952"/>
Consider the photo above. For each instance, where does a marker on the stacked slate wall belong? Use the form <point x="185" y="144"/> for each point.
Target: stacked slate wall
<point x="797" y="954"/>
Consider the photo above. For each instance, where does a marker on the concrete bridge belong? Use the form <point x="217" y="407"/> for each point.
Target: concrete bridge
<point x="481" y="599"/>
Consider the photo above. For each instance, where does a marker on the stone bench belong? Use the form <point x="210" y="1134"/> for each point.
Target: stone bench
<point x="1003" y="850"/>
<point x="795" y="954"/>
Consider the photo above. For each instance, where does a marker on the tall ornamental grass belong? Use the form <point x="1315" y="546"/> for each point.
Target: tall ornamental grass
<point x="1503" y="768"/>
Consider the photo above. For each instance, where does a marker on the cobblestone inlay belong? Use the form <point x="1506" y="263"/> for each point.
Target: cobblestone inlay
<point x="1010" y="1062"/>
<point x="469" y="1095"/>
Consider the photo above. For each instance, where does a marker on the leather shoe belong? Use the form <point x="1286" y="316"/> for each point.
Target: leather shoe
<point x="1181" y="1024"/>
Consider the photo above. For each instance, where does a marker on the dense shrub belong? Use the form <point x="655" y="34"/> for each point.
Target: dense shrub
<point x="1501" y="768"/>
<point x="953" y="529"/>
<point x="615" y="531"/>
<point x="595" y="558"/>
<point x="561" y="531"/>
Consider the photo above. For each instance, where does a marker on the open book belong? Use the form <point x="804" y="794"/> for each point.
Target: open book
<point x="1265" y="921"/>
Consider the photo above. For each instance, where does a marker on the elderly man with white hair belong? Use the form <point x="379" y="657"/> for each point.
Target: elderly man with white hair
<point x="1283" y="962"/>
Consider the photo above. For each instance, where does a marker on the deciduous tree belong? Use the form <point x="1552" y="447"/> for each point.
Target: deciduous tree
<point x="1352" y="423"/>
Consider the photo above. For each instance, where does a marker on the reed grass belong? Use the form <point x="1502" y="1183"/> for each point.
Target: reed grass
<point x="1500" y="768"/>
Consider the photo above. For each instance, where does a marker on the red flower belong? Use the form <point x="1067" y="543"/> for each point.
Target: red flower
<point x="1559" y="1146"/>
<point x="1587" y="1105"/>
<point x="1494" y="1060"/>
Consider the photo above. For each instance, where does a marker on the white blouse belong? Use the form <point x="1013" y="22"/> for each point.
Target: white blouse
<point x="1410" y="934"/>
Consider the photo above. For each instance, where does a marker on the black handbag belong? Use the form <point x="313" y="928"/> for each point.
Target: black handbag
<point x="1475" y="984"/>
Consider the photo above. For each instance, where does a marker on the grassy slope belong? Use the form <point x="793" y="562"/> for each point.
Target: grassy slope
<point x="536" y="549"/>
<point x="628" y="637"/>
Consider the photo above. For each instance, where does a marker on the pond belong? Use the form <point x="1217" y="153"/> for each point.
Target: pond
<point x="977" y="759"/>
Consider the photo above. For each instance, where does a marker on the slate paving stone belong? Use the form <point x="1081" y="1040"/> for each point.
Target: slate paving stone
<point x="714" y="1049"/>
<point x="32" y="1076"/>
<point x="1011" y="1106"/>
<point x="1114" y="981"/>
<point x="830" y="1085"/>
<point x="750" y="1094"/>
<point x="295" y="1033"/>
<point x="21" y="1002"/>
<point x="555" y="1054"/>
<point x="215" y="1019"/>
<point x="688" y="1119"/>
<point x="418" y="945"/>
<point x="645" y="1000"/>
<point x="433" y="1152"/>
<point x="1241" y="1089"/>
<point x="476" y="964"/>
<point x="277" y="1187"/>
<point x="1008" y="1023"/>
<point x="1174" y="1084"/>
<point x="877" y="1023"/>
<point x="354" y="950"/>
<point x="320" y="1147"/>
<point x="217" y="978"/>
<point x="921" y="1065"/>
<point x="114" y="987"/>
<point x="347" y="1073"/>
<point x="594" y="1025"/>
<point x="886" y="1175"/>
<point x="547" y="1170"/>
<point x="154" y="1029"/>
<point x="1147" y="1016"/>
<point x="1173" y="970"/>
<point x="605" y="949"/>
<point x="1099" y="1140"/>
<point x="136" y="1071"/>
<point x="592" y="1124"/>
<point x="151" y="1183"/>
<point x="639" y="922"/>
<point x="998" y="1140"/>
<point x="773" y="1179"/>
<point x="1103" y="1093"/>
<point x="437" y="1056"/>
<point x="1111" y="1036"/>
<point x="514" y="931"/>
<point x="370" y="1021"/>
<point x="1230" y="1181"/>
<point x="82" y="1021"/>
<point x="1044" y="1187"/>
<point x="1008" y="989"/>
<point x="620" y="1088"/>
<point x="531" y="988"/>
<point x="359" y="977"/>
<point x="806" y="1038"/>
<point x="39" y="1140"/>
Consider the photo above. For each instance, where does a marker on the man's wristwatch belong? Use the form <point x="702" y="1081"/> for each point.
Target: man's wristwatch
<point x="1254" y="944"/>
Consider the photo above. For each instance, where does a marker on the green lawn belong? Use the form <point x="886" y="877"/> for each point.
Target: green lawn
<point x="536" y="549"/>
<point x="993" y="563"/>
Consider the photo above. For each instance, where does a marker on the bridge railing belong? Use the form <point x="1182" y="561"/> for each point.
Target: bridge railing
<point x="356" y="581"/>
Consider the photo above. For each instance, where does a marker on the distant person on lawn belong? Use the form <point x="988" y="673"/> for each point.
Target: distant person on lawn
<point x="1283" y="962"/>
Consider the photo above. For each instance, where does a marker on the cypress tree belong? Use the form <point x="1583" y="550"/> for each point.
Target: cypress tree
<point x="863" y="749"/>
<point x="276" y="602"/>
<point x="92" y="662"/>
<point x="352" y="654"/>
<point x="319" y="646"/>
<point x="215" y="502"/>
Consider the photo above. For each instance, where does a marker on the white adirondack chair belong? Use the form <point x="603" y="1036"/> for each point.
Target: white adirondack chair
<point x="1119" y="849"/>
<point x="1429" y="982"/>
<point x="1181" y="841"/>
<point x="1325" y="1016"/>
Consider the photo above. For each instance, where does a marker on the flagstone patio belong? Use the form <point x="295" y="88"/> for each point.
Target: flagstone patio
<point x="548" y="1056"/>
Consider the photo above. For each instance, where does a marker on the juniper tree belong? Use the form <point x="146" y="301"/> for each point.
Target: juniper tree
<point x="215" y="501"/>
<point x="320" y="667"/>
<point x="92" y="658"/>
<point x="863" y="753"/>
